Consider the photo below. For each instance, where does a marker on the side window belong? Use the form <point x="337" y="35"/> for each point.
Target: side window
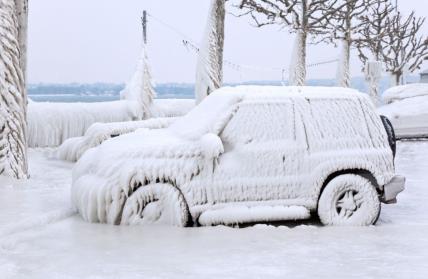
<point x="340" y="120"/>
<point x="260" y="122"/>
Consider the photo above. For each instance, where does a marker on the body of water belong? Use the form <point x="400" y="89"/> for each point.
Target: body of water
<point x="103" y="92"/>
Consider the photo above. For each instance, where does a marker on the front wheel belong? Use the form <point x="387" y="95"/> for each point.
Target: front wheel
<point x="161" y="204"/>
<point x="350" y="200"/>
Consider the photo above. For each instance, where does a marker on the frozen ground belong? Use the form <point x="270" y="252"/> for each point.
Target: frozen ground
<point x="41" y="238"/>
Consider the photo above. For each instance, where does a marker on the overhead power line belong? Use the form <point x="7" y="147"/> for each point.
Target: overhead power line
<point x="189" y="44"/>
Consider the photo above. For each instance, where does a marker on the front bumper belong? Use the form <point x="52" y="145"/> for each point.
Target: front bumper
<point x="392" y="189"/>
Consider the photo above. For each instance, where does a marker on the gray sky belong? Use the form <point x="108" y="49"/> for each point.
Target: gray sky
<point x="99" y="41"/>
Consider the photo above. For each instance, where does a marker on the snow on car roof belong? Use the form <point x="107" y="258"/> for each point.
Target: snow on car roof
<point x="203" y="118"/>
<point x="401" y="92"/>
<point x="262" y="92"/>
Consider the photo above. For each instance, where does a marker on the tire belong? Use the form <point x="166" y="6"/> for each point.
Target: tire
<point x="349" y="200"/>
<point x="156" y="204"/>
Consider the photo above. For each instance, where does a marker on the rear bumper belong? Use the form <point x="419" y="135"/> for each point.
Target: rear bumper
<point x="392" y="189"/>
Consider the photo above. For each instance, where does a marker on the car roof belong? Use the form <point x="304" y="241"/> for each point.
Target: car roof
<point x="279" y="92"/>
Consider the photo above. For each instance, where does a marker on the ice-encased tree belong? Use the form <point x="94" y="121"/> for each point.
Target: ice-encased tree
<point x="404" y="48"/>
<point x="370" y="45"/>
<point x="13" y="153"/>
<point x="304" y="17"/>
<point x="22" y="16"/>
<point x="347" y="24"/>
<point x="209" y="73"/>
<point x="393" y="39"/>
<point x="140" y="88"/>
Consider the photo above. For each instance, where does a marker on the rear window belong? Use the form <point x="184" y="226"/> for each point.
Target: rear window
<point x="338" y="122"/>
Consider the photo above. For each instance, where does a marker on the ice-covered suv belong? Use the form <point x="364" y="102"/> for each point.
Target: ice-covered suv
<point x="247" y="154"/>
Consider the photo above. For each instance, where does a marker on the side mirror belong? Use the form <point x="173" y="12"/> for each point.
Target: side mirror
<point x="211" y="145"/>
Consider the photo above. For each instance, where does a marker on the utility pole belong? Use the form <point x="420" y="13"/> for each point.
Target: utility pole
<point x="144" y="22"/>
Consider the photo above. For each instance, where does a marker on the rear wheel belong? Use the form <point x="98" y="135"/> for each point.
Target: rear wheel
<point x="349" y="200"/>
<point x="161" y="204"/>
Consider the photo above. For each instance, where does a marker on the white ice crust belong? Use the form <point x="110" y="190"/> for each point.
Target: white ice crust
<point x="50" y="124"/>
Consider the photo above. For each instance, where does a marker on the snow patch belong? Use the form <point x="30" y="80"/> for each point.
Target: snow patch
<point x="42" y="220"/>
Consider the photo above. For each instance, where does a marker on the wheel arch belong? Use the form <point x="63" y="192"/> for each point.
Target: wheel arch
<point x="361" y="172"/>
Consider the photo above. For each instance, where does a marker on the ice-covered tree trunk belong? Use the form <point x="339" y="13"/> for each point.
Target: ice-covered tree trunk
<point x="22" y="16"/>
<point x="373" y="73"/>
<point x="209" y="73"/>
<point x="397" y="78"/>
<point x="140" y="88"/>
<point x="298" y="60"/>
<point x="343" y="69"/>
<point x="13" y="161"/>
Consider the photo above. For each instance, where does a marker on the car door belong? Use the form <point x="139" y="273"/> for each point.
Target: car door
<point x="262" y="157"/>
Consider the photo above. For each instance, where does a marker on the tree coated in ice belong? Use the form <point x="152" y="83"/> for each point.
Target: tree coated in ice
<point x="347" y="25"/>
<point x="13" y="154"/>
<point x="22" y="16"/>
<point x="304" y="17"/>
<point x="404" y="48"/>
<point x="209" y="73"/>
<point x="373" y="73"/>
<point x="393" y="39"/>
<point x="370" y="45"/>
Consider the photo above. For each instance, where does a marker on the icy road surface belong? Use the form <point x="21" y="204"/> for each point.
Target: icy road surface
<point x="40" y="237"/>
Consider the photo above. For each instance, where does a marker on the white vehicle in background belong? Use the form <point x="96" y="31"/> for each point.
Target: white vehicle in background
<point x="407" y="108"/>
<point x="247" y="154"/>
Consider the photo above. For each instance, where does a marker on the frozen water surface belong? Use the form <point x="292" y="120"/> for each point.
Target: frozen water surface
<point x="40" y="237"/>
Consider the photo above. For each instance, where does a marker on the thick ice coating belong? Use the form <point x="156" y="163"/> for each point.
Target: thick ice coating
<point x="250" y="146"/>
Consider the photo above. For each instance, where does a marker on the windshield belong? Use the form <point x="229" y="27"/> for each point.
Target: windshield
<point x="204" y="117"/>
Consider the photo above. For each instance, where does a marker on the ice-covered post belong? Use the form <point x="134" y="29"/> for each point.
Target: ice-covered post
<point x="140" y="88"/>
<point x="13" y="142"/>
<point x="373" y="73"/>
<point x="209" y="73"/>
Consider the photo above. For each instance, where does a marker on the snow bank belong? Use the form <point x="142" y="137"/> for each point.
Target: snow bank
<point x="409" y="116"/>
<point x="50" y="124"/>
<point x="398" y="93"/>
<point x="73" y="148"/>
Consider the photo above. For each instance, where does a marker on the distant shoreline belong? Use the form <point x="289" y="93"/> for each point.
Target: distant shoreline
<point x="102" y="92"/>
